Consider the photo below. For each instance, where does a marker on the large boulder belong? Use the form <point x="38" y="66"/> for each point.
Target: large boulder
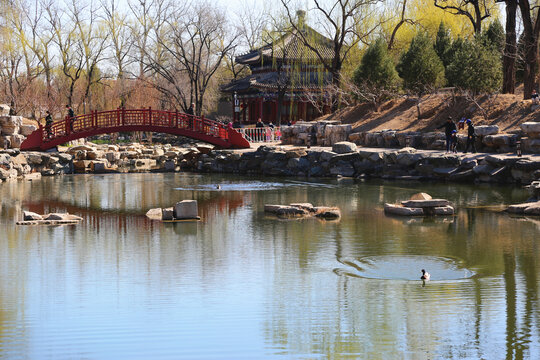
<point x="402" y="210"/>
<point x="532" y="129"/>
<point x="17" y="140"/>
<point x="27" y="129"/>
<point x="154" y="214"/>
<point x="328" y="213"/>
<point x="343" y="147"/>
<point x="4" y="109"/>
<point x="421" y="196"/>
<point x="443" y="210"/>
<point x="10" y="124"/>
<point x="530" y="208"/>
<point x="167" y="214"/>
<point x="186" y="209"/>
<point x="62" y="216"/>
<point x="425" y="203"/>
<point x="30" y="216"/>
<point x="484" y="130"/>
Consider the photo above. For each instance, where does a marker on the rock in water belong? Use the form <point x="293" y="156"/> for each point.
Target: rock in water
<point x="167" y="213"/>
<point x="421" y="196"/>
<point x="425" y="203"/>
<point x="402" y="210"/>
<point x="29" y="216"/>
<point x="186" y="209"/>
<point x="154" y="214"/>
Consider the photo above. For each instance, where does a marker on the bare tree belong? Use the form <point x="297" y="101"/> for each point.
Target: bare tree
<point x="510" y="49"/>
<point x="191" y="50"/>
<point x="93" y="39"/>
<point x="403" y="19"/>
<point x="70" y="50"/>
<point x="474" y="10"/>
<point x="531" y="30"/>
<point x="342" y="22"/>
<point x="121" y="42"/>
<point x="21" y="68"/>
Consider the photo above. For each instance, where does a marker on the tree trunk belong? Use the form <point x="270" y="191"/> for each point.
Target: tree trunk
<point x="531" y="29"/>
<point x="531" y="64"/>
<point x="510" y="49"/>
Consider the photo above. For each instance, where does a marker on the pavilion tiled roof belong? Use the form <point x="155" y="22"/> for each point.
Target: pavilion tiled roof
<point x="291" y="47"/>
<point x="274" y="80"/>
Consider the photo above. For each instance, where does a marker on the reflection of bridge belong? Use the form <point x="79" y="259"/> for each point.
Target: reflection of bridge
<point x="112" y="121"/>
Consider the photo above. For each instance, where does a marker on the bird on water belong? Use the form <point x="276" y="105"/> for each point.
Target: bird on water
<point x="425" y="275"/>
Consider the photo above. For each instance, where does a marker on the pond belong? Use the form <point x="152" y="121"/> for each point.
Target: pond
<point x="240" y="284"/>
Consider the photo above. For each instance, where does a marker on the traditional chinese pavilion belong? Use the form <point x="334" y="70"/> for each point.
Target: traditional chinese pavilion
<point x="283" y="70"/>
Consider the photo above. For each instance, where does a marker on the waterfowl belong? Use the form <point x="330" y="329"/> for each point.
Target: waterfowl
<point x="425" y="275"/>
<point x="218" y="187"/>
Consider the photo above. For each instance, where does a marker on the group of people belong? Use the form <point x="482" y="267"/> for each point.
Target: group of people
<point x="451" y="131"/>
<point x="49" y="121"/>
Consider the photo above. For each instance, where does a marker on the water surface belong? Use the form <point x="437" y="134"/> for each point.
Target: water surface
<point x="243" y="285"/>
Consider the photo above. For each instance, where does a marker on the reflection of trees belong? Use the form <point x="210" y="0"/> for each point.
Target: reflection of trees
<point x="307" y="309"/>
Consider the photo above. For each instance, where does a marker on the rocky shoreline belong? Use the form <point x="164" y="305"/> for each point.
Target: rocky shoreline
<point x="343" y="159"/>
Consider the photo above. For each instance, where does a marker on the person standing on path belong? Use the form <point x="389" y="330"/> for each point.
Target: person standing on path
<point x="191" y="111"/>
<point x="71" y="117"/>
<point x="48" y="124"/>
<point x="471" y="137"/>
<point x="448" y="128"/>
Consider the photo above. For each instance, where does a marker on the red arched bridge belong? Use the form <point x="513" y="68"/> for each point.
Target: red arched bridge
<point x="125" y="120"/>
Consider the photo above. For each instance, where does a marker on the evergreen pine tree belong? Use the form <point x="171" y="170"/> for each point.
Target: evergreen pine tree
<point x="443" y="44"/>
<point x="494" y="36"/>
<point x="420" y="66"/>
<point x="376" y="67"/>
<point x="475" y="67"/>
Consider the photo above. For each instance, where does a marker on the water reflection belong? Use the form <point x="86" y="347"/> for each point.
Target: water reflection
<point x="239" y="284"/>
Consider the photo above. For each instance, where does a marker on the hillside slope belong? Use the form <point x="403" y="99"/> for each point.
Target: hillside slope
<point x="401" y="114"/>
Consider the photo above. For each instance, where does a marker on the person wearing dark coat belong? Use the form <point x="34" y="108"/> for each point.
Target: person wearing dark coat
<point x="71" y="117"/>
<point x="471" y="137"/>
<point x="48" y="124"/>
<point x="448" y="128"/>
<point x="259" y="124"/>
<point x="191" y="110"/>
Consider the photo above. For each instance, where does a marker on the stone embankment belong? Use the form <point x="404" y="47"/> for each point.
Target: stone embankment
<point x="13" y="130"/>
<point x="344" y="159"/>
<point x="98" y="159"/>
<point x="488" y="139"/>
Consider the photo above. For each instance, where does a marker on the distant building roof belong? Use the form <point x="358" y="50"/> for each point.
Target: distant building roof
<point x="274" y="80"/>
<point x="291" y="46"/>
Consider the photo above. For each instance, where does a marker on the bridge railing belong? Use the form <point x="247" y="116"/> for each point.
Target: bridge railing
<point x="134" y="117"/>
<point x="261" y="135"/>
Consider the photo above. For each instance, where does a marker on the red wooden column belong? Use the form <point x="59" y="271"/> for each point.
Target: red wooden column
<point x="244" y="110"/>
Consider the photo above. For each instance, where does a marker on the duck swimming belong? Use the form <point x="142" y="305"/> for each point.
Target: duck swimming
<point x="425" y="275"/>
<point x="218" y="187"/>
